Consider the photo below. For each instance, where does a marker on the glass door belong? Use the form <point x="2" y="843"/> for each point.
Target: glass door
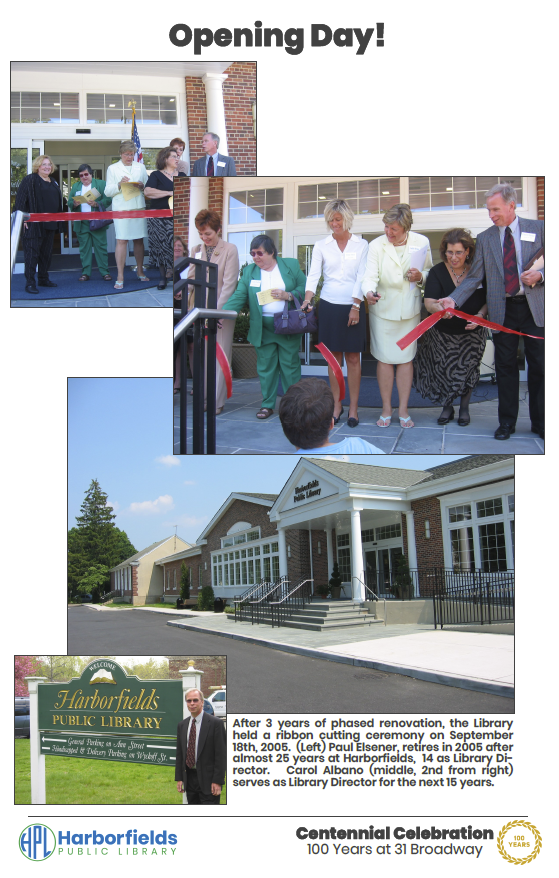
<point x="22" y="154"/>
<point x="68" y="176"/>
<point x="380" y="566"/>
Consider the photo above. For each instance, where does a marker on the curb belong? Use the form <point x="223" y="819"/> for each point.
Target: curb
<point x="472" y="683"/>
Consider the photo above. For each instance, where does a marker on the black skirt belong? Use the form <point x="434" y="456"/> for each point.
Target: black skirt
<point x="448" y="366"/>
<point x="334" y="332"/>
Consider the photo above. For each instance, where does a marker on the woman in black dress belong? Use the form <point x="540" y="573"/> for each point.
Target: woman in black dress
<point x="449" y="354"/>
<point x="37" y="193"/>
<point x="159" y="188"/>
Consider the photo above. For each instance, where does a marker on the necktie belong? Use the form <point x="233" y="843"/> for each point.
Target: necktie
<point x="510" y="266"/>
<point x="210" y="171"/>
<point x="191" y="748"/>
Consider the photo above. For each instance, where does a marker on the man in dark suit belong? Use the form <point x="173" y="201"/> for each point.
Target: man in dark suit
<point x="515" y="299"/>
<point x="201" y="753"/>
<point x="213" y="164"/>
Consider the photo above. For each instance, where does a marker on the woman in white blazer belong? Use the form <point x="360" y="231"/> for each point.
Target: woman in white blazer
<point x="397" y="266"/>
<point x="128" y="171"/>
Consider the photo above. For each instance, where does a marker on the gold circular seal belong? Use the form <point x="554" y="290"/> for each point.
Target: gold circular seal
<point x="519" y="842"/>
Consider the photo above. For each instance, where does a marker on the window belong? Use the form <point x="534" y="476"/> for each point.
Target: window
<point x="238" y="539"/>
<point x="368" y="536"/>
<point x="242" y="241"/>
<point x="460" y="513"/>
<point x="492" y="544"/>
<point x="242" y="567"/>
<point x="256" y="206"/>
<point x="389" y="532"/>
<point x="372" y="196"/>
<point x="344" y="564"/>
<point x="455" y="193"/>
<point x="113" y="109"/>
<point x="53" y="107"/>
<point x="343" y="539"/>
<point x="511" y="502"/>
<point x="490" y="507"/>
<point x="462" y="543"/>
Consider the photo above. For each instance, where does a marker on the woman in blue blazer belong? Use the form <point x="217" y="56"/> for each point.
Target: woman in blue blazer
<point x="276" y="355"/>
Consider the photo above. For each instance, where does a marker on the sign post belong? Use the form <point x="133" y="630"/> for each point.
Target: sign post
<point x="38" y="785"/>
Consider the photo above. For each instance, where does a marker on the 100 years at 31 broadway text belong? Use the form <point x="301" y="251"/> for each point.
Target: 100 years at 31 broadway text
<point x="371" y="752"/>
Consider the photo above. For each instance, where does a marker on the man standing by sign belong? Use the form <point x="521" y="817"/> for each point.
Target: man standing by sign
<point x="201" y="753"/>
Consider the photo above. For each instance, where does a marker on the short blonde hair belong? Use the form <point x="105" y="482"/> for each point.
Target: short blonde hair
<point x="39" y="161"/>
<point x="338" y="205"/>
<point x="401" y="214"/>
<point x="127" y="146"/>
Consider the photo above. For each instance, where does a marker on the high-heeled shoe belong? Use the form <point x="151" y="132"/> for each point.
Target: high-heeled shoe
<point x="337" y="420"/>
<point x="444" y="419"/>
<point x="463" y="418"/>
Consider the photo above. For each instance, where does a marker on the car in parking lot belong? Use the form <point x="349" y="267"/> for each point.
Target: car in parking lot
<point x="22" y="717"/>
<point x="218" y="701"/>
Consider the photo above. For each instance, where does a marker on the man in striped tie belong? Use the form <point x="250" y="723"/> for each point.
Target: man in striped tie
<point x="201" y="753"/>
<point x="515" y="299"/>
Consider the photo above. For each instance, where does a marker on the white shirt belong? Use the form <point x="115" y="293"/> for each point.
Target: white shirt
<point x="86" y="208"/>
<point x="198" y="721"/>
<point x="272" y="280"/>
<point x="342" y="272"/>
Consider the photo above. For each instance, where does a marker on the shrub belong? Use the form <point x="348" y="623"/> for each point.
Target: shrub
<point x="206" y="598"/>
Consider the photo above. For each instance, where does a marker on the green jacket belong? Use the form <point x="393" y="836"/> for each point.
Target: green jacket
<point x="104" y="201"/>
<point x="295" y="282"/>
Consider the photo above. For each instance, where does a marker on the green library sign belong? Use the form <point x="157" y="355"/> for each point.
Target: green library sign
<point x="153" y="751"/>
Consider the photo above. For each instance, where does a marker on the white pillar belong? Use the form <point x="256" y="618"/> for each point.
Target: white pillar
<point x="38" y="785"/>
<point x="329" y="551"/>
<point x="357" y="573"/>
<point x="199" y="199"/>
<point x="282" y="551"/>
<point x="412" y="551"/>
<point x="191" y="679"/>
<point x="215" y="108"/>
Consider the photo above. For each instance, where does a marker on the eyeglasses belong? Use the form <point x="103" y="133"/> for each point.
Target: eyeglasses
<point x="85" y="174"/>
<point x="254" y="253"/>
<point x="192" y="700"/>
<point x="449" y="254"/>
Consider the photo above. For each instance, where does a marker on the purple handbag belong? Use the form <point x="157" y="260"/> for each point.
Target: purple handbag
<point x="294" y="321"/>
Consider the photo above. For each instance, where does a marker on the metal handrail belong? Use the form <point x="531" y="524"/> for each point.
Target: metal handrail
<point x="200" y="314"/>
<point x="257" y="606"/>
<point x="17" y="219"/>
<point x="364" y="584"/>
<point x="291" y="603"/>
<point x="291" y="593"/>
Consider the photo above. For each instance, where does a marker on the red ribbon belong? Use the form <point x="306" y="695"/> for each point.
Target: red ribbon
<point x="471" y="318"/>
<point x="225" y="367"/>
<point x="335" y="366"/>
<point x="96" y="214"/>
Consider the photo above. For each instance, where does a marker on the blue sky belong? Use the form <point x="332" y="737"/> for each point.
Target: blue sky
<point x="120" y="433"/>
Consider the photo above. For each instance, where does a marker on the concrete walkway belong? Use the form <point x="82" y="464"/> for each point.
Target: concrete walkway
<point x="152" y="298"/>
<point x="474" y="657"/>
<point x="239" y="432"/>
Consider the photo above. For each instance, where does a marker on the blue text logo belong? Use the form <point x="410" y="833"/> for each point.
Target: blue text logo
<point x="37" y="842"/>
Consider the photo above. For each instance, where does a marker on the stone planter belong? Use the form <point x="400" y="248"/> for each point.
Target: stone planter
<point x="335" y="591"/>
<point x="244" y="361"/>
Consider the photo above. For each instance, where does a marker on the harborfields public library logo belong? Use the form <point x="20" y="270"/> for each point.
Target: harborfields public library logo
<point x="39" y="842"/>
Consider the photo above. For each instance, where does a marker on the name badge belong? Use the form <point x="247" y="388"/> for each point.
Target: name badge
<point x="414" y="249"/>
<point x="255" y="283"/>
<point x="528" y="236"/>
<point x="221" y="164"/>
<point x="350" y="255"/>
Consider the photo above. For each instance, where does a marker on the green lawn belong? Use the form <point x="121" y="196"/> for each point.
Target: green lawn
<point x="73" y="781"/>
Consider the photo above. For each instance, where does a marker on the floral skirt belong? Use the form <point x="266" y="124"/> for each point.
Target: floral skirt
<point x="447" y="366"/>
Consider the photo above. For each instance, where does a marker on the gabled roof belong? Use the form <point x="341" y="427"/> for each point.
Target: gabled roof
<point x="262" y="499"/>
<point x="467" y="463"/>
<point x="147" y="550"/>
<point x="365" y="474"/>
<point x="260" y="496"/>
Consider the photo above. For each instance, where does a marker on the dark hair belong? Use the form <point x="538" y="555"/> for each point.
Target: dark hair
<point x="458" y="236"/>
<point x="266" y="242"/>
<point x="176" y="141"/>
<point x="306" y="411"/>
<point x="85" y="168"/>
<point x="162" y="156"/>
<point x="209" y="218"/>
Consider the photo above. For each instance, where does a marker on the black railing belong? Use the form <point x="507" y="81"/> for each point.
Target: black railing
<point x="426" y="581"/>
<point x="292" y="599"/>
<point x="109" y="595"/>
<point x="204" y="355"/>
<point x="480" y="599"/>
<point x="241" y="601"/>
<point x="260" y="604"/>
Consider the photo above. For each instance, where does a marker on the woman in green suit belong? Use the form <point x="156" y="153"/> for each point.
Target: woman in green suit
<point x="276" y="355"/>
<point x="88" y="238"/>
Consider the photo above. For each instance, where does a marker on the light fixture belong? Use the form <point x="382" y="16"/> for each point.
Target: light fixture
<point x="205" y="565"/>
<point x="427" y="529"/>
<point x="289" y="551"/>
<point x="319" y="548"/>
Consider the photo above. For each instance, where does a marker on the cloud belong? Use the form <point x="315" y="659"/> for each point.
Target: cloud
<point x="168" y="460"/>
<point x="114" y="504"/>
<point x="190" y="483"/>
<point x="153" y="507"/>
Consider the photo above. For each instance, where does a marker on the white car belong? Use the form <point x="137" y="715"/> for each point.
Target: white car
<point x="218" y="701"/>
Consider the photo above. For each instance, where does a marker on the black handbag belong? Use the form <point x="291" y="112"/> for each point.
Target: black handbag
<point x="294" y="321"/>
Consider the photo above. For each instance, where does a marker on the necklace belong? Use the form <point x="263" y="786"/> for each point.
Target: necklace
<point x="401" y="243"/>
<point x="458" y="276"/>
<point x="167" y="174"/>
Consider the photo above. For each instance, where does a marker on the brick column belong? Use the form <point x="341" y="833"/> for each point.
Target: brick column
<point x="239" y="93"/>
<point x="540" y="183"/>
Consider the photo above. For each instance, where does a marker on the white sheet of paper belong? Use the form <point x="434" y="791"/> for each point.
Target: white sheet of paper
<point x="417" y="260"/>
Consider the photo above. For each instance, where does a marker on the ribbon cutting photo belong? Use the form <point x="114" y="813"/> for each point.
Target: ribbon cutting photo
<point x="358" y="343"/>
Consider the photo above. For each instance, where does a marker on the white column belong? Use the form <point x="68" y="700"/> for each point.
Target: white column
<point x="329" y="551"/>
<point x="357" y="574"/>
<point x="215" y="108"/>
<point x="282" y="551"/>
<point x="191" y="679"/>
<point x="199" y="199"/>
<point x="38" y="785"/>
<point x="412" y="551"/>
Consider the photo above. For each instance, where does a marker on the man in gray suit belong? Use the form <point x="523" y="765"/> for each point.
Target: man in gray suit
<point x="515" y="299"/>
<point x="213" y="164"/>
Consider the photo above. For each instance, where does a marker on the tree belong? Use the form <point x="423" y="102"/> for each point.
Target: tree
<point x="25" y="666"/>
<point x="60" y="667"/>
<point x="95" y="541"/>
<point x="206" y="598"/>
<point x="150" y="670"/>
<point x="94" y="580"/>
<point x="185" y="582"/>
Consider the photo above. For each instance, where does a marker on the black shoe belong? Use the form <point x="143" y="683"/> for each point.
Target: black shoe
<point x="336" y="420"/>
<point x="505" y="431"/>
<point x="538" y="430"/>
<point x="47" y="283"/>
<point x="162" y="285"/>
<point x="444" y="419"/>
<point x="463" y="418"/>
<point x="352" y="422"/>
<point x="31" y="288"/>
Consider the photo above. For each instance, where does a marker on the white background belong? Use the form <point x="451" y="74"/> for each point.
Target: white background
<point x="457" y="87"/>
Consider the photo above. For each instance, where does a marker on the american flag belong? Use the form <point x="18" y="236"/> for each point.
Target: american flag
<point x="136" y="138"/>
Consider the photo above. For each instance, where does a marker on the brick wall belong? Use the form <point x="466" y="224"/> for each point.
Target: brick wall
<point x="239" y="91"/>
<point x="540" y="182"/>
<point x="215" y="195"/>
<point x="196" y="114"/>
<point x="181" y="207"/>
<point x="430" y="552"/>
<point x="213" y="666"/>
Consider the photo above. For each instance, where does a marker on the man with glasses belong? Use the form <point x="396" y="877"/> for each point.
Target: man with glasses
<point x="504" y="256"/>
<point x="88" y="238"/>
<point x="201" y="753"/>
